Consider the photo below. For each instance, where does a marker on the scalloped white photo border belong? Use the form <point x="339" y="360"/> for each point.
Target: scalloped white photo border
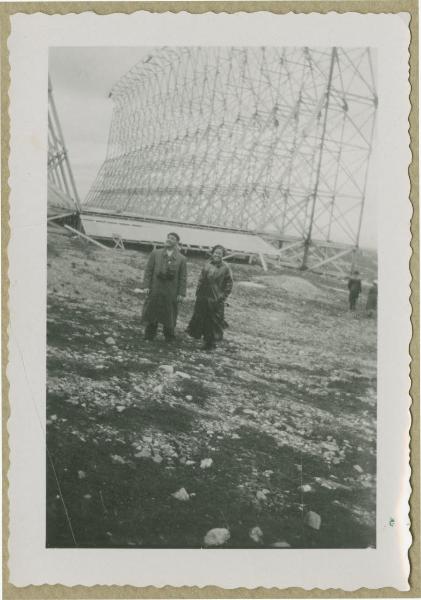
<point x="30" y="562"/>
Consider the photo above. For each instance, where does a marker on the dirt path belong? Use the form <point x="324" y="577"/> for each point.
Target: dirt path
<point x="285" y="408"/>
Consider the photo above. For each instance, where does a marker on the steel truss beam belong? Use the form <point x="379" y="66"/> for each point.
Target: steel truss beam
<point x="60" y="175"/>
<point x="262" y="139"/>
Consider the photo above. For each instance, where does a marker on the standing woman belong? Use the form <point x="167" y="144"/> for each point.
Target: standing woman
<point x="213" y="288"/>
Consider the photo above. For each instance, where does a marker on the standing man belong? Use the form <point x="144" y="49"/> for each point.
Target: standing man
<point x="165" y="283"/>
<point x="371" y="305"/>
<point x="354" y="287"/>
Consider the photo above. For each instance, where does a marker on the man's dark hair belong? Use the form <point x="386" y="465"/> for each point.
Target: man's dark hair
<point x="177" y="237"/>
<point x="216" y="248"/>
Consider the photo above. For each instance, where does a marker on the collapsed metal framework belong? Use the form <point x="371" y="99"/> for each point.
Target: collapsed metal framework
<point x="63" y="198"/>
<point x="270" y="140"/>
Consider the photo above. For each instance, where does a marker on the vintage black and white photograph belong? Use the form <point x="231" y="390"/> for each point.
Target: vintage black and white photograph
<point x="212" y="297"/>
<point x="209" y="360"/>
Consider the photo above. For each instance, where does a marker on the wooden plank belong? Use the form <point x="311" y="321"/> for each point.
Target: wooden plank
<point x="329" y="260"/>
<point x="61" y="216"/>
<point x="86" y="237"/>
<point x="262" y="260"/>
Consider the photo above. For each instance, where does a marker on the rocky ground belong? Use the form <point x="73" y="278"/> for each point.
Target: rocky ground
<point x="270" y="440"/>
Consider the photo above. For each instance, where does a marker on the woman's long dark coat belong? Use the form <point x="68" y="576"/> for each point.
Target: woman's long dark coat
<point x="166" y="278"/>
<point x="213" y="288"/>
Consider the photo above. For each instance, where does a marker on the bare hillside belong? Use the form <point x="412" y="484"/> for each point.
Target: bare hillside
<point x="284" y="409"/>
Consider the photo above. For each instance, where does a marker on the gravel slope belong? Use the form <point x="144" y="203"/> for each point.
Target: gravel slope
<point x="285" y="408"/>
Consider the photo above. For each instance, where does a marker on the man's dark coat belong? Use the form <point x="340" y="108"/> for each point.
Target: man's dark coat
<point x="166" y="278"/>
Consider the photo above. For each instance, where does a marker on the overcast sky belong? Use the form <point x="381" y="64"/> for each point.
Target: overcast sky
<point x="82" y="79"/>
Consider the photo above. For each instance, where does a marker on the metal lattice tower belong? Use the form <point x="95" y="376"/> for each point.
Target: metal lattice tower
<point x="273" y="140"/>
<point x="62" y="191"/>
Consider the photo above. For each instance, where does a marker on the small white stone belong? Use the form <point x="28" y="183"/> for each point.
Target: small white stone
<point x="216" y="537"/>
<point x="81" y="474"/>
<point x="358" y="468"/>
<point x="110" y="341"/>
<point x="181" y="495"/>
<point x="183" y="375"/>
<point x="281" y="545"/>
<point x="256" y="534"/>
<point x="306" y="488"/>
<point x="117" y="459"/>
<point x="261" y="495"/>
<point x="206" y="463"/>
<point x="249" y="411"/>
<point x="167" y="369"/>
<point x="144" y="453"/>
<point x="313" y="520"/>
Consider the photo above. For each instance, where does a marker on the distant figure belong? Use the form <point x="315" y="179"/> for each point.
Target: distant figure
<point x="213" y="288"/>
<point x="371" y="305"/>
<point x="354" y="287"/>
<point x="165" y="283"/>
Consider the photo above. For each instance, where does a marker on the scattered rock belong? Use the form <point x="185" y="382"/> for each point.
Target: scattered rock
<point x="144" y="453"/>
<point x="183" y="375"/>
<point x="313" y="520"/>
<point x="181" y="495"/>
<point x="87" y="496"/>
<point x="158" y="389"/>
<point x="260" y="495"/>
<point x="110" y="341"/>
<point x="120" y="408"/>
<point x="117" y="459"/>
<point x="206" y="463"/>
<point x="251" y="284"/>
<point x="81" y="474"/>
<point x="356" y="467"/>
<point x="306" y="488"/>
<point x="189" y="398"/>
<point x="190" y="462"/>
<point x="144" y="361"/>
<point x="53" y="418"/>
<point x="167" y="369"/>
<point x="248" y="411"/>
<point x="158" y="458"/>
<point x="281" y="545"/>
<point x="138" y="291"/>
<point x="256" y="534"/>
<point x="216" y="537"/>
<point x="235" y="436"/>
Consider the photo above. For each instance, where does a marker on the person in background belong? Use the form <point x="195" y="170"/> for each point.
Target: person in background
<point x="354" y="287"/>
<point x="165" y="282"/>
<point x="213" y="288"/>
<point x="371" y="305"/>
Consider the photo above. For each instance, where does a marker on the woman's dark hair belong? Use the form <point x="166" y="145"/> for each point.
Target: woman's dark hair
<point x="216" y="248"/>
<point x="177" y="237"/>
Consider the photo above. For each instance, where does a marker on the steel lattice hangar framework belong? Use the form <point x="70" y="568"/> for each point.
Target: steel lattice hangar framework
<point x="267" y="147"/>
